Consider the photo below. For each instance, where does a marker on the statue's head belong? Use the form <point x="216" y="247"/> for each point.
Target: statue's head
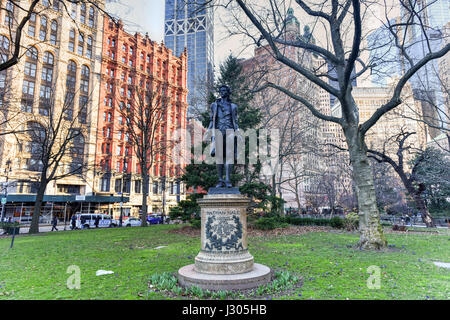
<point x="224" y="91"/>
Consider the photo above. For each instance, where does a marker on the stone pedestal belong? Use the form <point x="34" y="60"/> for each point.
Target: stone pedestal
<point x="224" y="262"/>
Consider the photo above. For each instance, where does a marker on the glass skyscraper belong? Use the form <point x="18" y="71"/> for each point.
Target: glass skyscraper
<point x="190" y="25"/>
<point x="426" y="83"/>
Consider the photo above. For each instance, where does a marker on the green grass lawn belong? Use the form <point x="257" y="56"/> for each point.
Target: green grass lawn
<point x="36" y="268"/>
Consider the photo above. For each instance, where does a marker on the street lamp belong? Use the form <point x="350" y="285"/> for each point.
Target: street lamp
<point x="122" y="187"/>
<point x="7" y="171"/>
<point x="163" y="178"/>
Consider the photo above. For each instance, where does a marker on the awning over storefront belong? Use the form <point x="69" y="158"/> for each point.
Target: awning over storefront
<point x="52" y="198"/>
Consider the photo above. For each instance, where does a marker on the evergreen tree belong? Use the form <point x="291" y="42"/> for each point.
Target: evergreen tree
<point x="204" y="176"/>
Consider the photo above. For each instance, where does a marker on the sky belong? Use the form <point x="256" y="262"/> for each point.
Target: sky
<point x="148" y="16"/>
<point x="140" y="15"/>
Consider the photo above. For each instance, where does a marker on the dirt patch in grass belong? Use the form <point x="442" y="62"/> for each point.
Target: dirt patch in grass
<point x="252" y="232"/>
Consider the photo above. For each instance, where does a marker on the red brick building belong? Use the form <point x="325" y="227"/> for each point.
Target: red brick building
<point x="130" y="62"/>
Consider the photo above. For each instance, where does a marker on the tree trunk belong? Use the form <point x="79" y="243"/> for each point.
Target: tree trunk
<point x="144" y="201"/>
<point x="371" y="232"/>
<point x="420" y="203"/>
<point x="423" y="209"/>
<point x="34" y="227"/>
<point x="299" y="206"/>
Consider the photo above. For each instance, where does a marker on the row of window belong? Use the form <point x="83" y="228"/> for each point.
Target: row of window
<point x="46" y="98"/>
<point x="85" y="45"/>
<point x="37" y="140"/>
<point x="124" y="186"/>
<point x="43" y="29"/>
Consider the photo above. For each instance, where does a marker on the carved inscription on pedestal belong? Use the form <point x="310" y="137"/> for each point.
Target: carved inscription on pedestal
<point x="223" y="230"/>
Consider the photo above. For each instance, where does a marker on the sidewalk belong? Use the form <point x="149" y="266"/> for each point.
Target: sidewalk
<point x="44" y="228"/>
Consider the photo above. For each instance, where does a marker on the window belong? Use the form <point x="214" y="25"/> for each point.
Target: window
<point x="91" y="17"/>
<point x="54" y="32"/>
<point x="83" y="105"/>
<point x="72" y="40"/>
<point x="84" y="84"/>
<point x="70" y="89"/>
<point x="118" y="186"/>
<point x="89" y="47"/>
<point x="32" y="25"/>
<point x="43" y="29"/>
<point x="9" y="16"/>
<point x="29" y="79"/>
<point x="105" y="181"/>
<point x="77" y="152"/>
<point x="81" y="44"/>
<point x="137" y="186"/>
<point x="30" y="69"/>
<point x="46" y="83"/>
<point x="28" y="88"/>
<point x="84" y="92"/>
<point x="56" y="5"/>
<point x="83" y="13"/>
<point x="73" y="13"/>
<point x="36" y="134"/>
<point x="4" y="48"/>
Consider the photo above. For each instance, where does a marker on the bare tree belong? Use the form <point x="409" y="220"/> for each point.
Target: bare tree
<point x="407" y="174"/>
<point x="342" y="21"/>
<point x="19" y="14"/>
<point x="145" y="116"/>
<point x="56" y="141"/>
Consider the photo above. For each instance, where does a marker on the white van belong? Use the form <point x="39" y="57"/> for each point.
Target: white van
<point x="86" y="221"/>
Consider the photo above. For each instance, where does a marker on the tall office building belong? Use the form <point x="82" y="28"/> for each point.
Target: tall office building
<point x="190" y="25"/>
<point x="383" y="55"/>
<point x="129" y="62"/>
<point x="59" y="71"/>
<point x="426" y="82"/>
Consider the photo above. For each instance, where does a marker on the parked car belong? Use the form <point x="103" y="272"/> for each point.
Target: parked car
<point x="131" y="222"/>
<point x="154" y="219"/>
<point x="86" y="221"/>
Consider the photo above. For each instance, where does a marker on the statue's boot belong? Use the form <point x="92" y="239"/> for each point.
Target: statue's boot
<point x="228" y="171"/>
<point x="221" y="183"/>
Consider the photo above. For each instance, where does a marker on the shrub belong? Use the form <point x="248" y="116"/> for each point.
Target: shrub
<point x="351" y="221"/>
<point x="337" y="223"/>
<point x="196" y="223"/>
<point x="271" y="223"/>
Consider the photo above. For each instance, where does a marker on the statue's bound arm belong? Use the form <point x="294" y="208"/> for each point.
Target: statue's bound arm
<point x="211" y="117"/>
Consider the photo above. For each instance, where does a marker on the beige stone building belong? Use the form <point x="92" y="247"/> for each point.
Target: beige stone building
<point x="299" y="131"/>
<point x="368" y="100"/>
<point x="59" y="69"/>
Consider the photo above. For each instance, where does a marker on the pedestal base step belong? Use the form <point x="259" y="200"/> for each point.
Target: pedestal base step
<point x="260" y="275"/>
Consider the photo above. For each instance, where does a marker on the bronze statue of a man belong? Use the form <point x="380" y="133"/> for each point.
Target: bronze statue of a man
<point x="224" y="120"/>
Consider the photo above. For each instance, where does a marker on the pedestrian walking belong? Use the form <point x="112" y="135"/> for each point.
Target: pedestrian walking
<point x="54" y="223"/>
<point x="74" y="222"/>
<point x="97" y="221"/>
